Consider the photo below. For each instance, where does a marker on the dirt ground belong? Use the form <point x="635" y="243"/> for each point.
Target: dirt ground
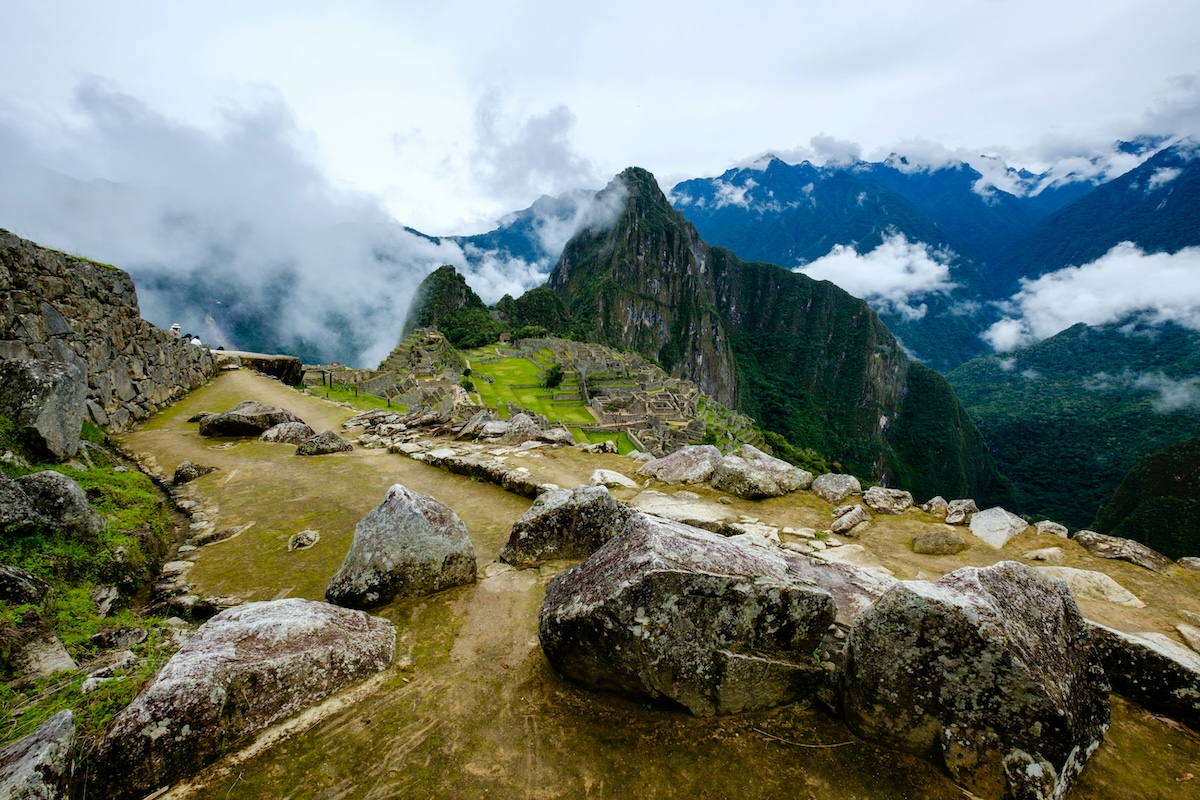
<point x="470" y="708"/>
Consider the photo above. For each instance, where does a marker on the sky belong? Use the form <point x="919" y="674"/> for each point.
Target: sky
<point x="222" y="136"/>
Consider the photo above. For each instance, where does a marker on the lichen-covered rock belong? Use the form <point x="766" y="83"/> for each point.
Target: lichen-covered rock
<point x="17" y="513"/>
<point x="19" y="587"/>
<point x="323" y="444"/>
<point x="666" y="610"/>
<point x="690" y="464"/>
<point x="938" y="542"/>
<point x="565" y="523"/>
<point x="887" y="501"/>
<point x="1086" y="584"/>
<point x="834" y="487"/>
<point x="288" y="433"/>
<point x="245" y="669"/>
<point x="187" y="472"/>
<point x="46" y="400"/>
<point x="996" y="526"/>
<point x="407" y="546"/>
<point x="38" y="767"/>
<point x="686" y="507"/>
<point x="849" y="521"/>
<point x="1153" y="670"/>
<point x="557" y="435"/>
<point x="1051" y="528"/>
<point x="61" y="503"/>
<point x="247" y="418"/>
<point x="1101" y="546"/>
<point x="937" y="506"/>
<point x="752" y="474"/>
<point x="992" y="668"/>
<point x="959" y="512"/>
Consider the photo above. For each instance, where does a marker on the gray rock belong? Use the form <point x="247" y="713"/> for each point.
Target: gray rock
<point x="1153" y="670"/>
<point x="46" y="400"/>
<point x="247" y="418"/>
<point x="690" y="464"/>
<point x="887" y="501"/>
<point x="958" y="512"/>
<point x="244" y="670"/>
<point x="38" y="767"/>
<point x="667" y="610"/>
<point x="1189" y="562"/>
<point x="611" y="479"/>
<point x="937" y="505"/>
<point x="938" y="543"/>
<point x="834" y="487"/>
<point x="104" y="598"/>
<point x="409" y="545"/>
<point x="322" y="444"/>
<point x="39" y="654"/>
<point x="993" y="668"/>
<point x="304" y="540"/>
<point x="1101" y="546"/>
<point x="17" y="513"/>
<point x="18" y="587"/>
<point x="996" y="526"/>
<point x="853" y="554"/>
<point x="557" y="436"/>
<point x="752" y="474"/>
<point x="1086" y="584"/>
<point x="607" y="446"/>
<point x="565" y="523"/>
<point x="850" y="520"/>
<point x="121" y="638"/>
<point x="1051" y="528"/>
<point x="187" y="472"/>
<point x="287" y="433"/>
<point x="686" y="507"/>
<point x="854" y="588"/>
<point x="61" y="502"/>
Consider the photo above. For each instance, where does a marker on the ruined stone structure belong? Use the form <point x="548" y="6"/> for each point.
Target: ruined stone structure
<point x="62" y="308"/>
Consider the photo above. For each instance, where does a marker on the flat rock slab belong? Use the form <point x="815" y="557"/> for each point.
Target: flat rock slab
<point x="1153" y="670"/>
<point x="1101" y="546"/>
<point x="996" y="526"/>
<point x="992" y="667"/>
<point x="38" y="767"/>
<point x="667" y="610"/>
<point x="1086" y="584"/>
<point x="690" y="464"/>
<point x="611" y="479"/>
<point x="242" y="671"/>
<point x="565" y="523"/>
<point x="686" y="507"/>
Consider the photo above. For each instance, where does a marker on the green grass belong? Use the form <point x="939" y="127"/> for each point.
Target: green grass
<point x="624" y="443"/>
<point x="510" y="372"/>
<point x="344" y="393"/>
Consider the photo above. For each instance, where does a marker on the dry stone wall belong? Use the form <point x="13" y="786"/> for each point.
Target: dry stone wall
<point x="62" y="308"/>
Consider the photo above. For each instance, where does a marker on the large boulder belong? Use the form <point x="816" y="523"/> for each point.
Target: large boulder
<point x="686" y="507"/>
<point x="245" y="669"/>
<point x="667" y="610"/>
<point x="996" y="526"/>
<point x="565" y="523"/>
<point x="834" y="487"/>
<point x="247" y="418"/>
<point x="991" y="669"/>
<point x="18" y="587"/>
<point x="1101" y="546"/>
<point x="1153" y="670"/>
<point x="691" y="464"/>
<point x="407" y="546"/>
<point x="61" y="502"/>
<point x="38" y="767"/>
<point x="887" y="501"/>
<point x="323" y="444"/>
<point x="17" y="513"/>
<point x="47" y="400"/>
<point x="288" y="433"/>
<point x="752" y="474"/>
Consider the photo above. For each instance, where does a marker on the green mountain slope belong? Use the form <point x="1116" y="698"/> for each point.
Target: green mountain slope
<point x="445" y="301"/>
<point x="1158" y="503"/>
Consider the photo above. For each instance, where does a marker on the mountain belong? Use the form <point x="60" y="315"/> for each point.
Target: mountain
<point x="1068" y="417"/>
<point x="444" y="301"/>
<point x="802" y="356"/>
<point x="1158" y="502"/>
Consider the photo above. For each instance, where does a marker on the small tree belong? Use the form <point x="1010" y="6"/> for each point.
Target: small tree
<point x="554" y="377"/>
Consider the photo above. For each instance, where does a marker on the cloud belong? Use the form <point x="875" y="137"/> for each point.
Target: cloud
<point x="890" y="277"/>
<point x="1173" y="395"/>
<point x="1125" y="281"/>
<point x="1161" y="177"/>
<point x="236" y="224"/>
<point x="835" y="151"/>
<point x="731" y="195"/>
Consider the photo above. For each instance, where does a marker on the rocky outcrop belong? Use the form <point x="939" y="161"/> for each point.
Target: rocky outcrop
<point x="17" y="513"/>
<point x="61" y="503"/>
<point x="996" y="526"/>
<point x="686" y="507"/>
<point x="247" y="418"/>
<point x="407" y="546"/>
<point x="38" y="767"/>
<point x="887" y="501"/>
<point x="565" y="523"/>
<point x="1101" y="546"/>
<point x="833" y="487"/>
<point x="56" y="307"/>
<point x="1153" y="670"/>
<point x="323" y="444"/>
<point x="992" y="668"/>
<point x="691" y="464"/>
<point x="245" y="669"/>
<point x="45" y="400"/>
<point x="287" y="433"/>
<point x="752" y="474"/>
<point x="666" y="610"/>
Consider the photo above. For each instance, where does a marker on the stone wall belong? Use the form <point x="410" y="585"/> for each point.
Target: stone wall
<point x="59" y="307"/>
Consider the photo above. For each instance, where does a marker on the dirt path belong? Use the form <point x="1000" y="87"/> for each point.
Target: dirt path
<point x="470" y="707"/>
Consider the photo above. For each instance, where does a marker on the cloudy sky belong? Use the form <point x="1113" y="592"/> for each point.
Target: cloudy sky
<point x="258" y="150"/>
